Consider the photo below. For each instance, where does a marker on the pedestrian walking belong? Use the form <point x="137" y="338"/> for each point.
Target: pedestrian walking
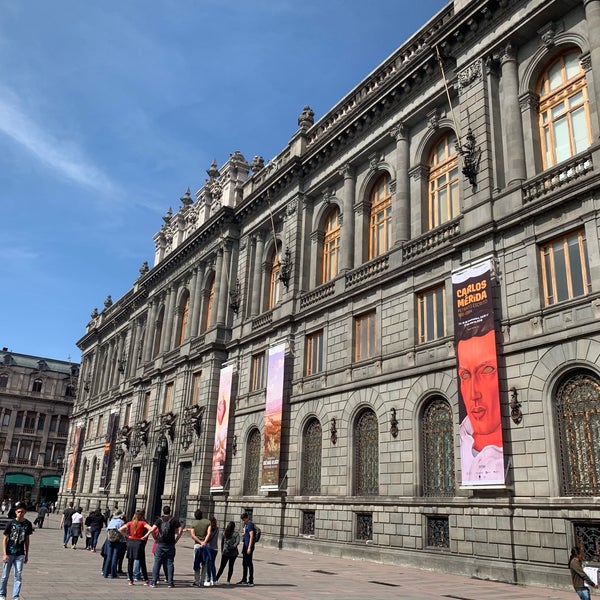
<point x="247" y="551"/>
<point x="65" y="523"/>
<point x="76" y="526"/>
<point x="581" y="581"/>
<point x="15" y="550"/>
<point x="169" y="530"/>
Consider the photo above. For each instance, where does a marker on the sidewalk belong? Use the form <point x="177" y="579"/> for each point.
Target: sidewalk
<point x="56" y="573"/>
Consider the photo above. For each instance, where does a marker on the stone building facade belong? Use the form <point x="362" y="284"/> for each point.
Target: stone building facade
<point x="476" y="142"/>
<point x="36" y="399"/>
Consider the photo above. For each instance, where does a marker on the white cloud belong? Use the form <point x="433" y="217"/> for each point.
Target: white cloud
<point x="59" y="154"/>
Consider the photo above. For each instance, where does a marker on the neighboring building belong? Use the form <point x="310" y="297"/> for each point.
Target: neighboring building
<point x="293" y="351"/>
<point x="36" y="399"/>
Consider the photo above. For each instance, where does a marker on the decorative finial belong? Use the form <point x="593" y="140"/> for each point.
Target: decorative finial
<point x="168" y="215"/>
<point x="306" y="118"/>
<point x="94" y="313"/>
<point x="108" y="302"/>
<point x="144" y="268"/>
<point x="187" y="199"/>
<point x="258" y="163"/>
<point x="213" y="172"/>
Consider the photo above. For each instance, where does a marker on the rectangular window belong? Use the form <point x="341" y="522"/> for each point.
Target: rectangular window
<point x="168" y="399"/>
<point x="438" y="532"/>
<point x="364" y="336"/>
<point x="565" y="268"/>
<point x="314" y="353"/>
<point x="127" y="416"/>
<point x="308" y="522"/>
<point x="364" y="526"/>
<point x="196" y="388"/>
<point x="257" y="381"/>
<point x="99" y="425"/>
<point x="41" y="421"/>
<point x="432" y="314"/>
<point x="54" y="422"/>
<point x="30" y="420"/>
<point x="146" y="407"/>
<point x="6" y="418"/>
<point x="63" y="426"/>
<point x="587" y="537"/>
<point x="19" y="421"/>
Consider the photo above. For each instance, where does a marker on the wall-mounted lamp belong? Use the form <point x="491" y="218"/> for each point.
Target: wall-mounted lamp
<point x="285" y="268"/>
<point x="515" y="406"/>
<point x="333" y="432"/>
<point x="234" y="445"/>
<point x="393" y="423"/>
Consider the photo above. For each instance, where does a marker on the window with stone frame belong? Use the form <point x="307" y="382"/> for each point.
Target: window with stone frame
<point x="146" y="406"/>
<point x="313" y="363"/>
<point x="366" y="454"/>
<point x="184" y="308"/>
<point x="331" y="245"/>
<point x="437" y="438"/>
<point x="100" y="425"/>
<point x="252" y="466"/>
<point x="443" y="194"/>
<point x="37" y="385"/>
<point x="577" y="412"/>
<point x="380" y="217"/>
<point x="311" y="458"/>
<point x="274" y="290"/>
<point x="565" y="268"/>
<point x="587" y="539"/>
<point x="168" y="398"/>
<point x="3" y="381"/>
<point x="563" y="111"/>
<point x="257" y="375"/>
<point x="364" y="336"/>
<point x="431" y="314"/>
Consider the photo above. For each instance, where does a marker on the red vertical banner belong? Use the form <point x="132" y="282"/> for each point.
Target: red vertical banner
<point x="74" y="457"/>
<point x="111" y="434"/>
<point x="273" y="411"/>
<point x="220" y="446"/>
<point x="481" y="447"/>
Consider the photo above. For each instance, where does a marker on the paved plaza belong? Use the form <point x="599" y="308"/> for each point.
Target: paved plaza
<point x="56" y="573"/>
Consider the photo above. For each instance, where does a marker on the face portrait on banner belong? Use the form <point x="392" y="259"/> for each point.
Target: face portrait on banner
<point x="481" y="446"/>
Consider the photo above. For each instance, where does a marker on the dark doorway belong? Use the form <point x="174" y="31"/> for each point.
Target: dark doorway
<point x="161" y="456"/>
<point x="133" y="490"/>
<point x="183" y="490"/>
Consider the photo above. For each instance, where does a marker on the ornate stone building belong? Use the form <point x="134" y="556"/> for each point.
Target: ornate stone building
<point x="293" y="350"/>
<point x="36" y="399"/>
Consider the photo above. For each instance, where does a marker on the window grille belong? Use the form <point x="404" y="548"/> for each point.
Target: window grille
<point x="587" y="538"/>
<point x="308" y="522"/>
<point x="438" y="532"/>
<point x="364" y="526"/>
<point x="252" y="463"/>
<point x="578" y="419"/>
<point x="366" y="454"/>
<point x="438" y="449"/>
<point x="311" y="458"/>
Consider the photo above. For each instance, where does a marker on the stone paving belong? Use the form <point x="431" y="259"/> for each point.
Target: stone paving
<point x="56" y="573"/>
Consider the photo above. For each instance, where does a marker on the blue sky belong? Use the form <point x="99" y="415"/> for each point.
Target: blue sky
<point x="110" y="110"/>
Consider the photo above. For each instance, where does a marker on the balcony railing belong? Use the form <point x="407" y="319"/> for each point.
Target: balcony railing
<point x="368" y="270"/>
<point x="431" y="240"/>
<point x="262" y="320"/>
<point x="557" y="177"/>
<point x="317" y="295"/>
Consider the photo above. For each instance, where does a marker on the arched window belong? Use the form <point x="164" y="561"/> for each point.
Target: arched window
<point x="37" y="385"/>
<point x="311" y="458"/>
<point x="331" y="245"/>
<point x="158" y="331"/>
<point x="366" y="454"/>
<point x="184" y="315"/>
<point x="210" y="304"/>
<point x="563" y="109"/>
<point x="252" y="470"/>
<point x="443" y="201"/>
<point x="274" y="283"/>
<point x="437" y="435"/>
<point x="577" y="409"/>
<point x="380" y="218"/>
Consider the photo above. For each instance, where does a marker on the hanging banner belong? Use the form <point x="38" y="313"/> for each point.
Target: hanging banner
<point x="481" y="449"/>
<point x="74" y="457"/>
<point x="273" y="409"/>
<point x="220" y="447"/>
<point x="111" y="436"/>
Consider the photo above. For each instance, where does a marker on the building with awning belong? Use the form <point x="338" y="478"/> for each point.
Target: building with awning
<point x="36" y="399"/>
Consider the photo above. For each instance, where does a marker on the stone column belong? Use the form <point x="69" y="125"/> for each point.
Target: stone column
<point x="401" y="207"/>
<point x="196" y="311"/>
<point x="514" y="146"/>
<point x="592" y="16"/>
<point x="150" y="329"/>
<point x="259" y="249"/>
<point x="191" y="303"/>
<point x="347" y="233"/>
<point x="168" y="319"/>
<point x="217" y="288"/>
<point x="223" y="298"/>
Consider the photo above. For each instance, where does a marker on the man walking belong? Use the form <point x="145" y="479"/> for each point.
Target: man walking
<point x="247" y="552"/>
<point x="168" y="529"/>
<point x="15" y="550"/>
<point x="41" y="516"/>
<point x="66" y="522"/>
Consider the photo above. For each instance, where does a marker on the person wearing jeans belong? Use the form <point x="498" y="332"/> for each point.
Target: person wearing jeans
<point x="15" y="550"/>
<point x="247" y="552"/>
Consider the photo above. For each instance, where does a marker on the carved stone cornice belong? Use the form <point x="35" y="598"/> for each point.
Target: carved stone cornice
<point x="469" y="75"/>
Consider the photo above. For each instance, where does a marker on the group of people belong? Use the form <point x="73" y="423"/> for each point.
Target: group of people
<point x="128" y="538"/>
